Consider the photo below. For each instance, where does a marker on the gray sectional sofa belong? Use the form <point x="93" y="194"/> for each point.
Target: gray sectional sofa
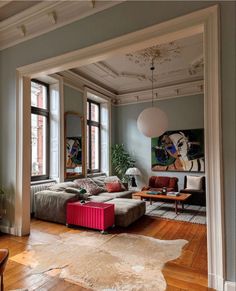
<point x="50" y="204"/>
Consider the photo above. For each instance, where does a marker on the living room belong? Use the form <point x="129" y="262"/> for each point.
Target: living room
<point x="123" y="130"/>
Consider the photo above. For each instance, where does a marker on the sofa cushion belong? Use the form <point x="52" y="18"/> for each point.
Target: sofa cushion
<point x="162" y="182"/>
<point x="98" y="198"/>
<point x="191" y="191"/>
<point x="100" y="180"/>
<point x="127" y="211"/>
<point x="62" y="186"/>
<point x="103" y="180"/>
<point x="123" y="194"/>
<point x="51" y="205"/>
<point x="194" y="183"/>
<point x="114" y="187"/>
<point x="80" y="194"/>
<point x="198" y="197"/>
<point x="89" y="185"/>
<point x="172" y="183"/>
<point x="158" y="182"/>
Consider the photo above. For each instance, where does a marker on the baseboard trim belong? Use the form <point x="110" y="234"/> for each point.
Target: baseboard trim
<point x="216" y="282"/>
<point x="7" y="229"/>
<point x="230" y="286"/>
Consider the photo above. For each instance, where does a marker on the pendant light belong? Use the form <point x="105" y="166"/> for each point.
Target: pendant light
<point x="152" y="121"/>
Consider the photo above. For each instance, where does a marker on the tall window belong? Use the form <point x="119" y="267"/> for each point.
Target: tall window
<point x="39" y="130"/>
<point x="93" y="136"/>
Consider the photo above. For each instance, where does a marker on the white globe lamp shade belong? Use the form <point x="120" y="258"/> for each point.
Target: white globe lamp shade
<point x="152" y="122"/>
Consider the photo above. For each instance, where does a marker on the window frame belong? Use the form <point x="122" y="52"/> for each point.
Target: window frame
<point x="45" y="113"/>
<point x="97" y="124"/>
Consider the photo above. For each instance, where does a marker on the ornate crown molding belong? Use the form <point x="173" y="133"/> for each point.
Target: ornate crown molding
<point x="161" y="93"/>
<point x="73" y="79"/>
<point x="46" y="16"/>
<point x="196" y="66"/>
<point x="115" y="74"/>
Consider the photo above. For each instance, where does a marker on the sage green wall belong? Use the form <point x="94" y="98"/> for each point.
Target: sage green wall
<point x="73" y="100"/>
<point x="121" y="19"/>
<point x="183" y="113"/>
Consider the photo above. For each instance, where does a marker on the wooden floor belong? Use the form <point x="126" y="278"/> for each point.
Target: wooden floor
<point x="189" y="272"/>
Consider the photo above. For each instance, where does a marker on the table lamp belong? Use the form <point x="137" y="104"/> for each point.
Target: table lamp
<point x="132" y="172"/>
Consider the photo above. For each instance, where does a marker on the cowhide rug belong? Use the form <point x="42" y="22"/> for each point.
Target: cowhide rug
<point x="104" y="262"/>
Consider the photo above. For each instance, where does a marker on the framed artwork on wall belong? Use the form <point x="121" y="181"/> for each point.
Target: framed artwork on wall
<point x="73" y="152"/>
<point x="179" y="150"/>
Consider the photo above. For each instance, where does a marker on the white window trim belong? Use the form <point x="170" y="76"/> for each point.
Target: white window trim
<point x="102" y="99"/>
<point x="206" y="21"/>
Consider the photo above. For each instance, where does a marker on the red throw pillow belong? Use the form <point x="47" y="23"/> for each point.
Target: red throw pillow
<point x="114" y="187"/>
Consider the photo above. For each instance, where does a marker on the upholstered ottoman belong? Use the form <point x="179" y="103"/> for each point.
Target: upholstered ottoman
<point x="127" y="211"/>
<point x="91" y="214"/>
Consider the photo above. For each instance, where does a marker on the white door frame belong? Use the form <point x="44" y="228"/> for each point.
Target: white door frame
<point x="206" y="21"/>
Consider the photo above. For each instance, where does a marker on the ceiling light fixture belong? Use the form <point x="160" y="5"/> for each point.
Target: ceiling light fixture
<point x="152" y="121"/>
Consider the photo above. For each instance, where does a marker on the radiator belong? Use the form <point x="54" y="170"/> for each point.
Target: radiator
<point x="36" y="188"/>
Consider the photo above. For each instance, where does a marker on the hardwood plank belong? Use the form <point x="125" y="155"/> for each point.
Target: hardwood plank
<point x="188" y="272"/>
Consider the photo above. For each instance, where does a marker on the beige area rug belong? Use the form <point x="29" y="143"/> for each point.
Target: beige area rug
<point x="104" y="262"/>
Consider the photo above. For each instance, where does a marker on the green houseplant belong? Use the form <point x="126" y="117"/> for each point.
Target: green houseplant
<point x="121" y="161"/>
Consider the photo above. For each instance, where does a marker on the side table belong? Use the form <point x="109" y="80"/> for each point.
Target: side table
<point x="91" y="214"/>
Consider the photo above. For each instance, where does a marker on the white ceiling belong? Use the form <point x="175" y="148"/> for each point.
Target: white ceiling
<point x="178" y="62"/>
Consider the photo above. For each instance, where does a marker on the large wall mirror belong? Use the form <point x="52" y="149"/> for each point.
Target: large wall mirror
<point x="74" y="145"/>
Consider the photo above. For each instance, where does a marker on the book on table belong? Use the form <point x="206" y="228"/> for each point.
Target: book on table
<point x="174" y="194"/>
<point x="154" y="192"/>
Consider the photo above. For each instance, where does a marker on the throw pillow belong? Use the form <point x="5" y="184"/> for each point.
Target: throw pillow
<point x="80" y="193"/>
<point x="89" y="185"/>
<point x="100" y="181"/>
<point x="114" y="187"/>
<point x="62" y="186"/>
<point x="194" y="183"/>
<point x="111" y="179"/>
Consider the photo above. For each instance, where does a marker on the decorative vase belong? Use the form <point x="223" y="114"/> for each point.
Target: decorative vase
<point x="164" y="190"/>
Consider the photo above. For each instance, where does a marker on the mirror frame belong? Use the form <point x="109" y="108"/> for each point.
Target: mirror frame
<point x="66" y="176"/>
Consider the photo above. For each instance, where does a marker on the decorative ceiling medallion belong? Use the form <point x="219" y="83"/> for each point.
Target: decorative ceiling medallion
<point x="159" y="54"/>
<point x="115" y="74"/>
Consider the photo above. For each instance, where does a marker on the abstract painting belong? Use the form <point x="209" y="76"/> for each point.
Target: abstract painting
<point x="179" y="150"/>
<point x="73" y="152"/>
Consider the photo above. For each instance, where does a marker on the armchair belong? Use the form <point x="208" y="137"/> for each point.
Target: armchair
<point x="157" y="183"/>
<point x="198" y="195"/>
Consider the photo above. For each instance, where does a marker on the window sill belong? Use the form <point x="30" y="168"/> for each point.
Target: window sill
<point x="98" y="174"/>
<point x="42" y="182"/>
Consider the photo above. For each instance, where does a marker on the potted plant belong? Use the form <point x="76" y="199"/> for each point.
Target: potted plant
<point x="121" y="161"/>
